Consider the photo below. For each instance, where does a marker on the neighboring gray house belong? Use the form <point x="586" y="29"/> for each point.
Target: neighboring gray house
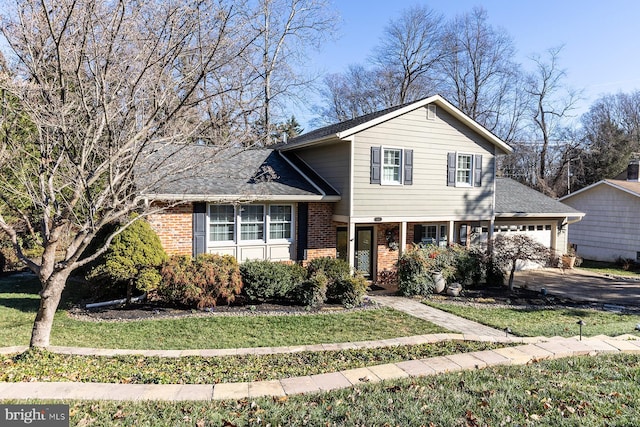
<point x="366" y="188"/>
<point x="611" y="227"/>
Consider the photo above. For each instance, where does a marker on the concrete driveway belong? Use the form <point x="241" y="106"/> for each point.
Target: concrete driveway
<point x="581" y="285"/>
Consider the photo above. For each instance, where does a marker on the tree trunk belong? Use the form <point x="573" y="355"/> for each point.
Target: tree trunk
<point x="49" y="300"/>
<point x="512" y="274"/>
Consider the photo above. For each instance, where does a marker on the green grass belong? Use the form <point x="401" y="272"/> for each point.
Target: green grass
<point x="579" y="391"/>
<point x="19" y="303"/>
<point x="547" y="322"/>
<point x="39" y="365"/>
<point x="607" y="268"/>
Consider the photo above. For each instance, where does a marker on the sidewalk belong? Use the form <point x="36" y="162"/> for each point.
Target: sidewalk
<point x="530" y="350"/>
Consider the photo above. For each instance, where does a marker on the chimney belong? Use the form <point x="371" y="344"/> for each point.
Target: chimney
<point x="633" y="171"/>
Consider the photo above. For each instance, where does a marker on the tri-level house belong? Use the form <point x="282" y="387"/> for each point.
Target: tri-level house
<point x="361" y="190"/>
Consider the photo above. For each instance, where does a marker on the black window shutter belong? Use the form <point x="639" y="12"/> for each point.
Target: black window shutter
<point x="408" y="167"/>
<point x="303" y="226"/>
<point x="376" y="164"/>
<point x="199" y="228"/>
<point x="417" y="233"/>
<point x="451" y="169"/>
<point x="477" y="168"/>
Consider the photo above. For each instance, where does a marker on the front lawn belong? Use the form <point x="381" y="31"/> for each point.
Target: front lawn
<point x="578" y="391"/>
<point x="547" y="322"/>
<point x="609" y="268"/>
<point x="19" y="302"/>
<point x="40" y="365"/>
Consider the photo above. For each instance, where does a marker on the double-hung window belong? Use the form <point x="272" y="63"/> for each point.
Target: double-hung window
<point x="464" y="170"/>
<point x="221" y="223"/>
<point x="252" y="222"/>
<point x="280" y="220"/>
<point x="391" y="166"/>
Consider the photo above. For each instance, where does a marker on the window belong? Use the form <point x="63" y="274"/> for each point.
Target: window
<point x="279" y="222"/>
<point x="431" y="234"/>
<point x="252" y="222"/>
<point x="221" y="223"/>
<point x="464" y="170"/>
<point x="392" y="166"/>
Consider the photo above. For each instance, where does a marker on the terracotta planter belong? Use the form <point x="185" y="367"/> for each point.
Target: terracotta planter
<point x="568" y="261"/>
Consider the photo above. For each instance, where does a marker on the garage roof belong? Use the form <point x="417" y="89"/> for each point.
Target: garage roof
<point x="514" y="199"/>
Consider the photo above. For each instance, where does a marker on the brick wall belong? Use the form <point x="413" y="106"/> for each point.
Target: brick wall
<point x="321" y="233"/>
<point x="387" y="257"/>
<point x="175" y="229"/>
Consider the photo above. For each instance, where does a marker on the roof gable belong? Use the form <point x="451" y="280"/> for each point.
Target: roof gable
<point x="630" y="187"/>
<point x="348" y="128"/>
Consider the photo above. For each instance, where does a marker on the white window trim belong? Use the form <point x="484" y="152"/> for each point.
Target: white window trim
<point x="471" y="170"/>
<point x="235" y="227"/>
<point x="237" y="233"/>
<point x="268" y="224"/>
<point x="382" y="165"/>
<point x="239" y="222"/>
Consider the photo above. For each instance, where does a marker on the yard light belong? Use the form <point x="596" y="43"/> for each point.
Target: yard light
<point x="507" y="331"/>
<point x="638" y="327"/>
<point x="581" y="323"/>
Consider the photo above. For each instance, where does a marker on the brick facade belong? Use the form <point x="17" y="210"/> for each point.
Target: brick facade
<point x="387" y="256"/>
<point x="321" y="233"/>
<point x="175" y="229"/>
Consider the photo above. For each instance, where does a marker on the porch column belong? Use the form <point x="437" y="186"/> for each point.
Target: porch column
<point x="403" y="237"/>
<point x="351" y="255"/>
<point x="451" y="237"/>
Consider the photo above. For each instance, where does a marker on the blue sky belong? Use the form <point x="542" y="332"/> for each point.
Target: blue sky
<point x="601" y="39"/>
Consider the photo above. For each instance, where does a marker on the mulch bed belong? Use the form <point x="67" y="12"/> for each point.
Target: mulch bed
<point x="485" y="296"/>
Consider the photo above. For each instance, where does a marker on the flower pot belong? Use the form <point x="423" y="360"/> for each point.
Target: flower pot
<point x="439" y="283"/>
<point x="454" y="289"/>
<point x="568" y="261"/>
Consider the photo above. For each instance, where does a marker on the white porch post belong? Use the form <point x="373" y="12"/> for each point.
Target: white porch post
<point x="403" y="237"/>
<point x="352" y="246"/>
<point x="451" y="237"/>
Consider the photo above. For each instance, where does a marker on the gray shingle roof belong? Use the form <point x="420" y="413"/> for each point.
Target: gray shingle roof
<point x="513" y="199"/>
<point x="207" y="172"/>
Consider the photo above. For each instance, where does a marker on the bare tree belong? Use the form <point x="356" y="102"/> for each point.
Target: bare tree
<point x="98" y="86"/>
<point x="286" y="30"/>
<point x="508" y="250"/>
<point x="480" y="75"/>
<point x="410" y="49"/>
<point x="551" y="104"/>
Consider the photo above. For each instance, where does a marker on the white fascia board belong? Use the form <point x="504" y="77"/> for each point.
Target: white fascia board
<point x="582" y="190"/>
<point x="539" y="215"/>
<point x="232" y="198"/>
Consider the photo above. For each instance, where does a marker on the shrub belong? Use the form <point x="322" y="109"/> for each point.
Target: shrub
<point x="348" y="290"/>
<point x="203" y="282"/>
<point x="414" y="277"/>
<point x="333" y="268"/>
<point x="133" y="258"/>
<point x="469" y="264"/>
<point x="267" y="280"/>
<point x="312" y="292"/>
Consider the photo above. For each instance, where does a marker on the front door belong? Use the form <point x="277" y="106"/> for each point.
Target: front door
<point x="364" y="251"/>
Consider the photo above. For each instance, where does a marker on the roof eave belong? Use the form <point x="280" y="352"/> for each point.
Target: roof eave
<point x="539" y="215"/>
<point x="234" y="198"/>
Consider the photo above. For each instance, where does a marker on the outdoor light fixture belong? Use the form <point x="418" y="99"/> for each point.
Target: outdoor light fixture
<point x="581" y="323"/>
<point x="507" y="331"/>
